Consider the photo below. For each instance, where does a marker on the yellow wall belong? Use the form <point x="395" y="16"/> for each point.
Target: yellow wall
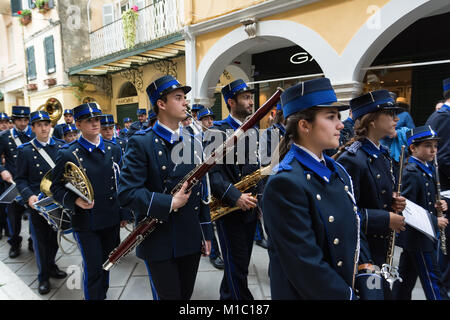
<point x="150" y="74"/>
<point x="200" y="10"/>
<point x="337" y="21"/>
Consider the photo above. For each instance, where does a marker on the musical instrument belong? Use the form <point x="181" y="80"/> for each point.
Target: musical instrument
<point x="148" y="224"/>
<point x="54" y="109"/>
<point x="218" y="209"/>
<point x="388" y="270"/>
<point x="442" y="236"/>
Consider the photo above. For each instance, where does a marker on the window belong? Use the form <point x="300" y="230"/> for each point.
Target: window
<point x="16" y="5"/>
<point x="49" y="50"/>
<point x="31" y="64"/>
<point x="11" y="44"/>
<point x="108" y="14"/>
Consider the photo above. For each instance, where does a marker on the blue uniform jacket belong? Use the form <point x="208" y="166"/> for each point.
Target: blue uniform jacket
<point x="313" y="229"/>
<point x="8" y="147"/>
<point x="100" y="164"/>
<point x="146" y="180"/>
<point x="266" y="144"/>
<point x="419" y="186"/>
<point x="373" y="184"/>
<point x="58" y="131"/>
<point x="31" y="166"/>
<point x="222" y="177"/>
<point x="439" y="122"/>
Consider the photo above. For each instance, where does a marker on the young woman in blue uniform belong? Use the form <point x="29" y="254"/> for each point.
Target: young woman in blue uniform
<point x="419" y="256"/>
<point x="312" y="222"/>
<point x="372" y="172"/>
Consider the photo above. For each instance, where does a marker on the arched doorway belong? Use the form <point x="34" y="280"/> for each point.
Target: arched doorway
<point x="127" y="103"/>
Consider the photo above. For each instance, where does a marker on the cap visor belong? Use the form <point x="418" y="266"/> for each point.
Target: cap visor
<point x="339" y="105"/>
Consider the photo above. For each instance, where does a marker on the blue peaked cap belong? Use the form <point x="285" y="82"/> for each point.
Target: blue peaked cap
<point x="162" y="86"/>
<point x="234" y="88"/>
<point x="420" y="134"/>
<point x="371" y="102"/>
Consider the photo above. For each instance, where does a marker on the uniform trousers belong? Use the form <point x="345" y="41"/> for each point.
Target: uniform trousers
<point x="174" y="279"/>
<point x="95" y="247"/>
<point x="420" y="264"/>
<point x="15" y="212"/>
<point x="236" y="244"/>
<point x="45" y="245"/>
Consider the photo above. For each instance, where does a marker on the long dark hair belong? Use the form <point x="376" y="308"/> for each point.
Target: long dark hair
<point x="292" y="134"/>
<point x="361" y="130"/>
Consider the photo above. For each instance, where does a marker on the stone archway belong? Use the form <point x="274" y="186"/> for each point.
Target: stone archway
<point x="237" y="41"/>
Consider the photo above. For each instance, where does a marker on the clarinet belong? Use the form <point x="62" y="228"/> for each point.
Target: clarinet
<point x="148" y="224"/>
<point x="389" y="272"/>
<point x="442" y="236"/>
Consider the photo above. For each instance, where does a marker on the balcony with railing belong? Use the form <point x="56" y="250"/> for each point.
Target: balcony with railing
<point x="155" y="22"/>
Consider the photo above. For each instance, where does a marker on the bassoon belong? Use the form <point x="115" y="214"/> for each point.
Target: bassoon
<point x="442" y="236"/>
<point x="149" y="224"/>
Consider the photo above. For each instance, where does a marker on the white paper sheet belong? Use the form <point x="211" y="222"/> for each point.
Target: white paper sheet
<point x="419" y="218"/>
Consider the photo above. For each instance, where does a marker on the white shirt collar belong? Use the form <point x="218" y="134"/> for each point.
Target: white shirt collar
<point x="96" y="144"/>
<point x="423" y="162"/>
<point x="239" y="122"/>
<point x="44" y="143"/>
<point x="166" y="127"/>
<point x="312" y="154"/>
<point x="374" y="144"/>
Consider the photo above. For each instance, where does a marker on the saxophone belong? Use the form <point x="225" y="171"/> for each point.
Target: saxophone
<point x="218" y="209"/>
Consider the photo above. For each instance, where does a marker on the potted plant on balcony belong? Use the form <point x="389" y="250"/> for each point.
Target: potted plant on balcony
<point x="31" y="86"/>
<point x="50" y="82"/>
<point x="42" y="5"/>
<point x="25" y="16"/>
<point x="129" y="19"/>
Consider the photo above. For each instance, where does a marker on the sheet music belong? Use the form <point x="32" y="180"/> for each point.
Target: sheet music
<point x="419" y="218"/>
<point x="10" y="194"/>
<point x="445" y="194"/>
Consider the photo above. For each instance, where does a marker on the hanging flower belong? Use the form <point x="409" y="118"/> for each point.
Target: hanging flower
<point x="129" y="19"/>
<point x="135" y="8"/>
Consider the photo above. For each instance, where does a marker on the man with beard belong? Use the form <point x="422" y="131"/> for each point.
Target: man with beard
<point x="236" y="229"/>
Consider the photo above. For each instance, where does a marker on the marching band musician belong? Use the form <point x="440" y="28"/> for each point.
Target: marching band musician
<point x="9" y="141"/>
<point x="96" y="224"/>
<point x="36" y="158"/>
<point x="312" y="222"/>
<point x="126" y="123"/>
<point x="138" y="125"/>
<point x="107" y="131"/>
<point x="58" y="131"/>
<point x="70" y="132"/>
<point x="4" y="125"/>
<point x="172" y="252"/>
<point x="236" y="230"/>
<point x="419" y="256"/>
<point x="439" y="121"/>
<point x="371" y="170"/>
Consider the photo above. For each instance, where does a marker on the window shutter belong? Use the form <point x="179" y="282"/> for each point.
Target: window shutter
<point x="31" y="63"/>
<point x="16" y="5"/>
<point x="108" y="14"/>
<point x="31" y="4"/>
<point x="217" y="107"/>
<point x="49" y="55"/>
<point x="51" y="3"/>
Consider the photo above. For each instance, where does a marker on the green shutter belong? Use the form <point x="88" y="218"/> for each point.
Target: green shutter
<point x="16" y="5"/>
<point x="31" y="4"/>
<point x="31" y="63"/>
<point x="217" y="107"/>
<point x="49" y="55"/>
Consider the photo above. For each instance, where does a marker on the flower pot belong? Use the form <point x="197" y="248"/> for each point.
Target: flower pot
<point x="50" y="82"/>
<point x="44" y="8"/>
<point x="24" y="20"/>
<point x="31" y="86"/>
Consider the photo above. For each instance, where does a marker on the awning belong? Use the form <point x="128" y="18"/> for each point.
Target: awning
<point x="162" y="49"/>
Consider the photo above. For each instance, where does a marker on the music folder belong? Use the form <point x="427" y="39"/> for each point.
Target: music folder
<point x="419" y="218"/>
<point x="10" y="194"/>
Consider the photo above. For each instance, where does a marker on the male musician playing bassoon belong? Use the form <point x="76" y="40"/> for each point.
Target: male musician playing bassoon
<point x="34" y="159"/>
<point x="95" y="224"/>
<point x="172" y="252"/>
<point x="236" y="229"/>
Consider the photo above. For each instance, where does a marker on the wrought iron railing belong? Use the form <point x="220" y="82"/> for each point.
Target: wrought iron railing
<point x="156" y="21"/>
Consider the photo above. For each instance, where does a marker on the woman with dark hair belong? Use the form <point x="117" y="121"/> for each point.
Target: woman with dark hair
<point x="312" y="222"/>
<point x="372" y="171"/>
